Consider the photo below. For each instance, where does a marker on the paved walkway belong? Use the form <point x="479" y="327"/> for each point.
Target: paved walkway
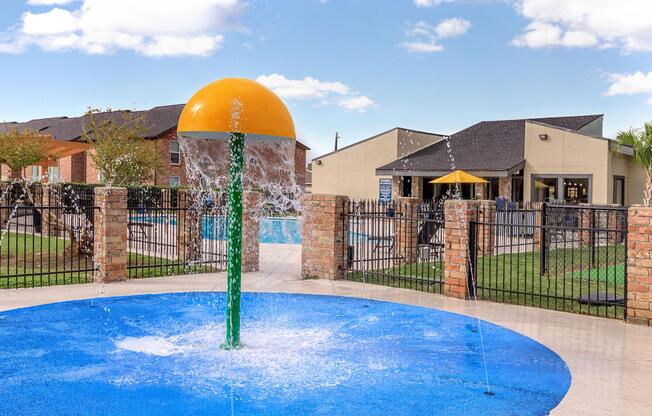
<point x="610" y="361"/>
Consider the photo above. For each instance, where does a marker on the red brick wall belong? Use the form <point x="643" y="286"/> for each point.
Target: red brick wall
<point x="65" y="169"/>
<point x="324" y="236"/>
<point x="639" y="266"/>
<point x="91" y="172"/>
<point x="457" y="214"/>
<point x="162" y="177"/>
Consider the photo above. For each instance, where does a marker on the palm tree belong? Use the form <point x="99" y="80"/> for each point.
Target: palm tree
<point x="640" y="140"/>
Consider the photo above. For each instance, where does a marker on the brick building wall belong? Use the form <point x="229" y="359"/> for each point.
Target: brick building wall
<point x="169" y="169"/>
<point x="92" y="173"/>
<point x="73" y="168"/>
<point x="81" y="169"/>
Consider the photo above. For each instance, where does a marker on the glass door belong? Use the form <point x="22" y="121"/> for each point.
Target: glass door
<point x="619" y="190"/>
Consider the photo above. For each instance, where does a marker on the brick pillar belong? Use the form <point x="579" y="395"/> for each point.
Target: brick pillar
<point x="505" y="187"/>
<point x="250" y="231"/>
<point x="458" y="214"/>
<point x="111" y="235"/>
<point x="486" y="236"/>
<point x="639" y="266"/>
<point x="324" y="235"/>
<point x="406" y="233"/>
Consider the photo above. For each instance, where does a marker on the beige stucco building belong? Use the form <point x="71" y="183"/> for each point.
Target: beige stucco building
<point x="351" y="170"/>
<point x="525" y="160"/>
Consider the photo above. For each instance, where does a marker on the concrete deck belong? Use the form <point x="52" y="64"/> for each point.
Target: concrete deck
<point x="610" y="361"/>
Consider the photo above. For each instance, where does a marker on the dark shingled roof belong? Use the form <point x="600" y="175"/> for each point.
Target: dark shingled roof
<point x="158" y="120"/>
<point x="485" y="146"/>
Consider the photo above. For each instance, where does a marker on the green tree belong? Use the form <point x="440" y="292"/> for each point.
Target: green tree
<point x="119" y="148"/>
<point x="640" y="140"/>
<point x="21" y="149"/>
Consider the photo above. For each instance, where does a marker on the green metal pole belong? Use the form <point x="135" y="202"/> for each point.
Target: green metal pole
<point x="234" y="261"/>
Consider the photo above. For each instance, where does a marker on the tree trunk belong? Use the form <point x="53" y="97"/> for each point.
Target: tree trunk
<point x="83" y="246"/>
<point x="647" y="193"/>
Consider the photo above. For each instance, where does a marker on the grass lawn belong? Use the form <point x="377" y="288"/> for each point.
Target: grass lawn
<point x="142" y="266"/>
<point x="31" y="261"/>
<point x="517" y="278"/>
<point x="28" y="260"/>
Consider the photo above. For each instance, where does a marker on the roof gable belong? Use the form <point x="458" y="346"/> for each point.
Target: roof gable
<point x="487" y="145"/>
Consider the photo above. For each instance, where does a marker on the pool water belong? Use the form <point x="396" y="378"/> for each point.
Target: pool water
<point x="273" y="230"/>
<point x="317" y="355"/>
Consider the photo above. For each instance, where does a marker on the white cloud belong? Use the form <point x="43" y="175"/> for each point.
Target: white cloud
<point x="428" y="3"/>
<point x="626" y="24"/>
<point x="150" y="27"/>
<point x="422" y="47"/>
<point x="302" y="89"/>
<point x="313" y="89"/>
<point x="357" y="103"/>
<point x="452" y="27"/>
<point x="635" y="83"/>
<point x="50" y="23"/>
<point x="427" y="35"/>
<point x="48" y="2"/>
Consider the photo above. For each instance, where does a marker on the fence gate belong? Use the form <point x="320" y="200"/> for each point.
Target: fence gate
<point x="565" y="257"/>
<point x="170" y="234"/>
<point x="394" y="244"/>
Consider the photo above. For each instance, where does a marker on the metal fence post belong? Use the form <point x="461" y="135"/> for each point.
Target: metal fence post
<point x="544" y="237"/>
<point x="472" y="272"/>
<point x="592" y="234"/>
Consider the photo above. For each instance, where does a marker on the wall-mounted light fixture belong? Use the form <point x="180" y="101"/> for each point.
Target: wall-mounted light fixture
<point x="543" y="137"/>
<point x="318" y="162"/>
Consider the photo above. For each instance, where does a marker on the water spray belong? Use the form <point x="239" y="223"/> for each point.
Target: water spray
<point x="241" y="112"/>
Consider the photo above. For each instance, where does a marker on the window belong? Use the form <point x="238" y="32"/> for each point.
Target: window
<point x="576" y="190"/>
<point x="175" y="155"/>
<point x="619" y="190"/>
<point x="53" y="173"/>
<point x="101" y="178"/>
<point x="493" y="188"/>
<point x="545" y="189"/>
<point x="517" y="189"/>
<point x="572" y="189"/>
<point x="36" y="172"/>
<point x="407" y="186"/>
<point x="175" y="181"/>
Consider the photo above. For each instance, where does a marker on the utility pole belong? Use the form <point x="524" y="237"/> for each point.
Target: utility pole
<point x="337" y="138"/>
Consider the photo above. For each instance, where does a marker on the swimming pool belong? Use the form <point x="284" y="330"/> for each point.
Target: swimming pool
<point x="273" y="230"/>
<point x="303" y="354"/>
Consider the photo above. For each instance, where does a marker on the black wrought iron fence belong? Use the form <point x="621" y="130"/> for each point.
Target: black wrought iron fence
<point x="43" y="245"/>
<point x="175" y="233"/>
<point x="394" y="244"/>
<point x="573" y="258"/>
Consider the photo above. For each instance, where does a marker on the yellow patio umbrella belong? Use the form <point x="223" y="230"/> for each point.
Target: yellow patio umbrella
<point x="459" y="176"/>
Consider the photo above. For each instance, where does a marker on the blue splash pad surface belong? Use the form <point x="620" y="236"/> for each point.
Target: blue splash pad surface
<point x="304" y="354"/>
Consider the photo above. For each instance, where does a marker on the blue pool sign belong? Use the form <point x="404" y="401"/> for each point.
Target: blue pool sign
<point x="385" y="191"/>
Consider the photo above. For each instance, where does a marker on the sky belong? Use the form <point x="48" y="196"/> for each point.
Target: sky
<point x="354" y="67"/>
